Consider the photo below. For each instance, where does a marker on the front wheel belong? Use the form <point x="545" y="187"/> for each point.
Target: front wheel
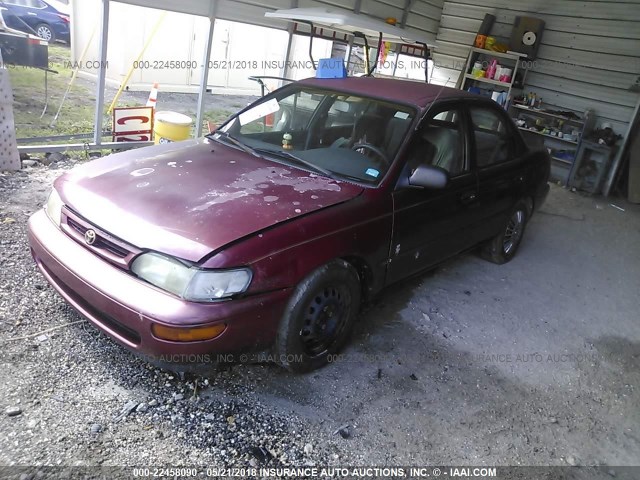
<point x="319" y="317"/>
<point x="503" y="247"/>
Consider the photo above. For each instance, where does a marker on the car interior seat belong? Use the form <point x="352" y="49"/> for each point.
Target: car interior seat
<point x="446" y="148"/>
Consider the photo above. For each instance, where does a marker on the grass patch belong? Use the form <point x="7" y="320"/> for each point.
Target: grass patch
<point x="77" y="114"/>
<point x="29" y="94"/>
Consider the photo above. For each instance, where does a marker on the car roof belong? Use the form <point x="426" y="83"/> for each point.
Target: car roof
<point x="420" y="94"/>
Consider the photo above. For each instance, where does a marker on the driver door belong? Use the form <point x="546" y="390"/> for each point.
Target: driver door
<point x="431" y="225"/>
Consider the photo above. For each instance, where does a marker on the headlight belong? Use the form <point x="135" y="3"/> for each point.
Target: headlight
<point x="188" y="282"/>
<point x="54" y="207"/>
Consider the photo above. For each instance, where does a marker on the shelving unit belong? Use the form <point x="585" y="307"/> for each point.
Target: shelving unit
<point x="561" y="165"/>
<point x="535" y="132"/>
<point x="513" y="62"/>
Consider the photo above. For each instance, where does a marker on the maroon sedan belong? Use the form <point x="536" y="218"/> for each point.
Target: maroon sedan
<point x="270" y="233"/>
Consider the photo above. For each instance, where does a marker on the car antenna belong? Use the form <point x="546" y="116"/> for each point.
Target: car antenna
<point x="434" y="100"/>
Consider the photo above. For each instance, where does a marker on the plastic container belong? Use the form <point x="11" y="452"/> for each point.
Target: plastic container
<point x="505" y="75"/>
<point x="491" y="71"/>
<point x="477" y="70"/>
<point x="171" y="127"/>
<point x="480" y="41"/>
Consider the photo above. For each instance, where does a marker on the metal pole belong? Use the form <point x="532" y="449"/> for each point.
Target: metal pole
<point x="617" y="161"/>
<point x="287" y="69"/>
<point x="204" y="79"/>
<point x="102" y="73"/>
<point x="287" y="59"/>
<point x="403" y="23"/>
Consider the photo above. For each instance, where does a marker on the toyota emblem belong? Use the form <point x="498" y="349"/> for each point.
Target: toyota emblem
<point x="90" y="237"/>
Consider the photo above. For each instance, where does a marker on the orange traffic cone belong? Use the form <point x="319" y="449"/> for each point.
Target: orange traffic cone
<point x="153" y="96"/>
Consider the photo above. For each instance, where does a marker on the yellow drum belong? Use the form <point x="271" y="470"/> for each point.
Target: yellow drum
<point x="171" y="127"/>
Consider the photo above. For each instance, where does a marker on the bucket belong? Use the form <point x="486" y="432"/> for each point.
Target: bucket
<point x="171" y="127"/>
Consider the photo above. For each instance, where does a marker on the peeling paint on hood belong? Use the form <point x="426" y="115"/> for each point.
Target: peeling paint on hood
<point x="190" y="198"/>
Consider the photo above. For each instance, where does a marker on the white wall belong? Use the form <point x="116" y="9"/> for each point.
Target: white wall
<point x="183" y="36"/>
<point x="588" y="57"/>
<point x="129" y="28"/>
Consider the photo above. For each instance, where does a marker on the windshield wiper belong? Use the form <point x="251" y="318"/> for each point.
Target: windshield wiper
<point x="295" y="158"/>
<point x="233" y="140"/>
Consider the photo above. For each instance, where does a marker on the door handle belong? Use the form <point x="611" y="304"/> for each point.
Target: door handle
<point x="468" y="197"/>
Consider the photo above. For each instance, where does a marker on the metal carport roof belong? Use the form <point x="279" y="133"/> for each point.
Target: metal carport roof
<point x="247" y="11"/>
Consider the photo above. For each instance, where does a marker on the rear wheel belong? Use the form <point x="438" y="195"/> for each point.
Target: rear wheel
<point x="503" y="247"/>
<point x="45" y="32"/>
<point x="319" y="317"/>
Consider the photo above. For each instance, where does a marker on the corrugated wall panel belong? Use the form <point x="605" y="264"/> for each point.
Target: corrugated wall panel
<point x="381" y="10"/>
<point x="423" y="18"/>
<point x="588" y="57"/>
<point x="432" y="10"/>
<point x="610" y="27"/>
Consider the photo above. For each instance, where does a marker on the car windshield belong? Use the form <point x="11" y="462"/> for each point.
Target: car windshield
<point x="327" y="132"/>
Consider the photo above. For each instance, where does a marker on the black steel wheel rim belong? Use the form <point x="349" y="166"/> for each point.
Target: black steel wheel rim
<point x="513" y="233"/>
<point x="325" y="318"/>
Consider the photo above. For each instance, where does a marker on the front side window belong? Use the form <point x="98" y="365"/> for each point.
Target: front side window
<point x="494" y="139"/>
<point x="335" y="133"/>
<point x="440" y="142"/>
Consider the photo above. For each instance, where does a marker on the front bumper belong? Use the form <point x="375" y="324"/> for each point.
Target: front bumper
<point x="125" y="307"/>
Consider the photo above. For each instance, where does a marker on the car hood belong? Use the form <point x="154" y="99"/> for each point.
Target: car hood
<point x="190" y="198"/>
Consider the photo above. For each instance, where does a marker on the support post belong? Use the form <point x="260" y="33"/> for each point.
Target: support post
<point x="287" y="58"/>
<point x="102" y="74"/>
<point x="204" y="79"/>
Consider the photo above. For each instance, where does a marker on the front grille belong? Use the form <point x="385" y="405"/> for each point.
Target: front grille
<point x="100" y="242"/>
<point x="108" y="247"/>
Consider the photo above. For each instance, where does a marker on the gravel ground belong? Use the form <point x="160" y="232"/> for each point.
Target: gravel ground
<point x="536" y="362"/>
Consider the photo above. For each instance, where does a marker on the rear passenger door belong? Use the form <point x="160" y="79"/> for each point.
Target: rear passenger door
<point x="11" y="11"/>
<point x="498" y="159"/>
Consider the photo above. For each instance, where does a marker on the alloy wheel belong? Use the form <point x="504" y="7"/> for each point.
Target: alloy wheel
<point x="513" y="234"/>
<point x="44" y="33"/>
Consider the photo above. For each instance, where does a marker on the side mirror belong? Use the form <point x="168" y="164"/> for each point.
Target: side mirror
<point x="428" y="176"/>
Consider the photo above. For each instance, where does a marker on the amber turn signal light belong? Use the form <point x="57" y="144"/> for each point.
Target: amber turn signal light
<point x="185" y="334"/>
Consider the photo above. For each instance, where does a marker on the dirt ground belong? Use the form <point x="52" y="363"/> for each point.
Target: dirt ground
<point x="536" y="362"/>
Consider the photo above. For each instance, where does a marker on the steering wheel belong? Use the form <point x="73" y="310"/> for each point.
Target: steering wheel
<point x="377" y="150"/>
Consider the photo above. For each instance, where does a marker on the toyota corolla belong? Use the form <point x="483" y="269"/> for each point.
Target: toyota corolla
<point x="268" y="234"/>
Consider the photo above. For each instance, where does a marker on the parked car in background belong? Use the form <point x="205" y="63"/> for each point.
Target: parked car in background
<point x="49" y="20"/>
<point x="270" y="232"/>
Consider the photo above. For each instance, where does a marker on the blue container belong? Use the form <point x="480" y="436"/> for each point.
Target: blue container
<point x="331" y="68"/>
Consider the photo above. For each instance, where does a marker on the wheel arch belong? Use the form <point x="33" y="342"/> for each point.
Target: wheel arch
<point x="365" y="274"/>
<point x="528" y="200"/>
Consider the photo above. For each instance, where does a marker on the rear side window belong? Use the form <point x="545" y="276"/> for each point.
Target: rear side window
<point x="493" y="135"/>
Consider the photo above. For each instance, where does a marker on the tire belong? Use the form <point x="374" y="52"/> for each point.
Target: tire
<point x="319" y="317"/>
<point x="45" y="32"/>
<point x="503" y="247"/>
